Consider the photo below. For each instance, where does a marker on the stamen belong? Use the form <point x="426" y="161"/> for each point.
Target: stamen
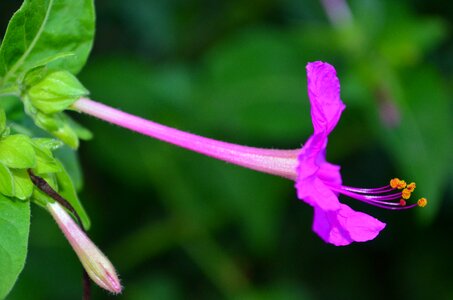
<point x="422" y="202"/>
<point x="397" y="183"/>
<point x="402" y="185"/>
<point x="380" y="190"/>
<point x="406" y="194"/>
<point x="411" y="187"/>
<point x="394" y="183"/>
<point x="384" y="200"/>
<point x="387" y="197"/>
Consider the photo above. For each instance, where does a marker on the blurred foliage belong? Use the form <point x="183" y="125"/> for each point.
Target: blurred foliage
<point x="178" y="225"/>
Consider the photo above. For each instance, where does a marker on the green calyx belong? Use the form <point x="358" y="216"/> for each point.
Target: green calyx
<point x="47" y="94"/>
<point x="56" y="92"/>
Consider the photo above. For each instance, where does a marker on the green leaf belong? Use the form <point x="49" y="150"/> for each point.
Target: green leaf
<point x="14" y="228"/>
<point x="23" y="186"/>
<point x="44" y="31"/>
<point x="6" y="181"/>
<point x="66" y="190"/>
<point x="16" y="151"/>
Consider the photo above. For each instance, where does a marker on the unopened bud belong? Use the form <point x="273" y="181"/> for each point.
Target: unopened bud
<point x="96" y="264"/>
<point x="58" y="125"/>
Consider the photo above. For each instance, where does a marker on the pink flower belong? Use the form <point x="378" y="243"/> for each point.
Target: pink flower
<point x="96" y="264"/>
<point x="318" y="182"/>
<point x="334" y="222"/>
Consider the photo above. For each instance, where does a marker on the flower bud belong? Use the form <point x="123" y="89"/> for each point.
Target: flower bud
<point x="96" y="264"/>
<point x="56" y="92"/>
<point x="58" y="125"/>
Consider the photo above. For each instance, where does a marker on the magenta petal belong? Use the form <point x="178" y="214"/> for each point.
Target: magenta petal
<point x="314" y="192"/>
<point x="313" y="172"/>
<point x="324" y="95"/>
<point x="345" y="226"/>
<point x="329" y="173"/>
<point x="360" y="226"/>
<point x="326" y="225"/>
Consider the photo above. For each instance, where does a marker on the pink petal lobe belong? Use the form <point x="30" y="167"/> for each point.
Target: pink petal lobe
<point x="329" y="173"/>
<point x="324" y="95"/>
<point x="314" y="192"/>
<point x="360" y="226"/>
<point x="313" y="172"/>
<point x="345" y="226"/>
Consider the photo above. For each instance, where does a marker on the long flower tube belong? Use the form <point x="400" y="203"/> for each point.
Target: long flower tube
<point x="318" y="183"/>
<point x="277" y="162"/>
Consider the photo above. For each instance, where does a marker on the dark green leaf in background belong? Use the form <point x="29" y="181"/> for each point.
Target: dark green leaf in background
<point x="255" y="81"/>
<point x="422" y="145"/>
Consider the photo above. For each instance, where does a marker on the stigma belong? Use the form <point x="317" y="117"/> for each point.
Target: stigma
<point x="395" y="196"/>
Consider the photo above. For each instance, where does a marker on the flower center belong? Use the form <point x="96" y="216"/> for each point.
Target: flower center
<point x="393" y="196"/>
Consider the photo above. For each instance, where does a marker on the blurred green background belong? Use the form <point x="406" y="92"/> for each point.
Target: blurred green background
<point x="181" y="226"/>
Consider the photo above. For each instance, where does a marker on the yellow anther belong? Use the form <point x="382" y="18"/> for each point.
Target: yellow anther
<point x="406" y="194"/>
<point x="401" y="184"/>
<point x="394" y="183"/>
<point x="411" y="187"/>
<point x="397" y="183"/>
<point x="422" y="202"/>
